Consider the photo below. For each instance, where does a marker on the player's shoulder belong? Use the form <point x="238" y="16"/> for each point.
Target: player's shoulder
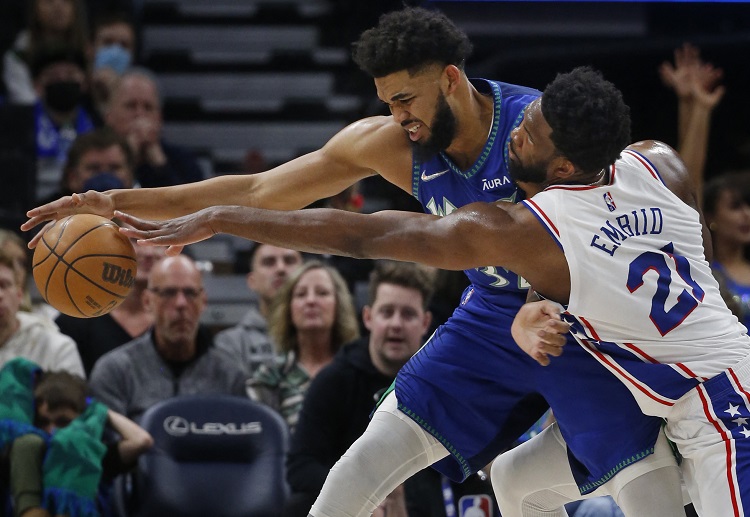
<point x="669" y="166"/>
<point x="517" y="90"/>
<point x="371" y="133"/>
<point x="376" y="142"/>
<point x="661" y="156"/>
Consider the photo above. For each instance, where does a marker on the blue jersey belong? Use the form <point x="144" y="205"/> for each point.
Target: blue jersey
<point x="442" y="187"/>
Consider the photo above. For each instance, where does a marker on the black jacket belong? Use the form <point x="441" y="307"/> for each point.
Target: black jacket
<point x="335" y="413"/>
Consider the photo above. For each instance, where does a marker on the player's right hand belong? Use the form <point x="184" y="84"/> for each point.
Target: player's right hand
<point x="539" y="331"/>
<point x="90" y="202"/>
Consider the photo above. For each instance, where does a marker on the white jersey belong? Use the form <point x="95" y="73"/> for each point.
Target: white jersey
<point x="643" y="300"/>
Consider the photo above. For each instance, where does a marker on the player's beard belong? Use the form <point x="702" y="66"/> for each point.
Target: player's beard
<point x="442" y="131"/>
<point x="536" y="173"/>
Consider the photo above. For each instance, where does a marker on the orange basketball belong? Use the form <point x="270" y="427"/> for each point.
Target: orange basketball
<point x="83" y="266"/>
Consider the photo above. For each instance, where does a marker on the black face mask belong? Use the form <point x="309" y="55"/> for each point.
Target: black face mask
<point x="62" y="96"/>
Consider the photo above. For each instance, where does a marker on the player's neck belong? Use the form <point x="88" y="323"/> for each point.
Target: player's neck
<point x="475" y="119"/>
<point x="600" y="178"/>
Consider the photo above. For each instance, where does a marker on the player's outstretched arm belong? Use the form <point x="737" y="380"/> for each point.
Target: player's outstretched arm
<point x="354" y="153"/>
<point x="472" y="236"/>
<point x="539" y="331"/>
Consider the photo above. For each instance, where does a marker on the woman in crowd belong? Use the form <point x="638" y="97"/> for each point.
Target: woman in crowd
<point x="50" y="21"/>
<point x="726" y="207"/>
<point x="310" y="319"/>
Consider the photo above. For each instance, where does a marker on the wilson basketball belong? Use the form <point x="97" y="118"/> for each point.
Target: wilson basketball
<point x="83" y="266"/>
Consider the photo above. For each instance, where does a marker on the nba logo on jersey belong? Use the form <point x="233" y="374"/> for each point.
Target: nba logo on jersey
<point x="475" y="506"/>
<point x="610" y="202"/>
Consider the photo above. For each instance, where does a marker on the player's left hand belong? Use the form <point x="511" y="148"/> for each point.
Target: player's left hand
<point x="539" y="331"/>
<point x="174" y="233"/>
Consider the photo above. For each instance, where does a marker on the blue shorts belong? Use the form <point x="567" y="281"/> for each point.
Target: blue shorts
<point x="472" y="388"/>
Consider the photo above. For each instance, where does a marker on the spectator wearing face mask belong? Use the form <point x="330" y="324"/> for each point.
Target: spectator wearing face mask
<point x="98" y="160"/>
<point x="113" y="49"/>
<point x="60" y="115"/>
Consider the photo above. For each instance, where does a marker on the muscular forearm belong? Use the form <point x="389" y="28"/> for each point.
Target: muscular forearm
<point x="395" y="235"/>
<point x="168" y="202"/>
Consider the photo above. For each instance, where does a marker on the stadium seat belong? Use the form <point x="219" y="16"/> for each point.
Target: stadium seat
<point x="215" y="455"/>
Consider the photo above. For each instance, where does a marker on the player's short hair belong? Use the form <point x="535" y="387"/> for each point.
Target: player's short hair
<point x="61" y="390"/>
<point x="410" y="39"/>
<point x="589" y="119"/>
<point x="403" y="274"/>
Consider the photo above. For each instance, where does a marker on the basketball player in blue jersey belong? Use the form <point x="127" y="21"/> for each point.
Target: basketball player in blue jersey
<point x="470" y="392"/>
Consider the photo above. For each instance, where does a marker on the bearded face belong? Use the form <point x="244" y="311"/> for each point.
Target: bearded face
<point x="533" y="173"/>
<point x="442" y="131"/>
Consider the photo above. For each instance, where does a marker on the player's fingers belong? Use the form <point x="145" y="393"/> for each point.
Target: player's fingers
<point x="33" y="222"/>
<point x="557" y="326"/>
<point x="50" y="209"/>
<point x="551" y="339"/>
<point x="541" y="358"/>
<point x="137" y="224"/>
<point x="35" y="240"/>
<point x="174" y="250"/>
<point x="555" y="351"/>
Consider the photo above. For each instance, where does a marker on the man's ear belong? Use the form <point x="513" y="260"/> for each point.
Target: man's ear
<point x="453" y="75"/>
<point x="562" y="168"/>
<point x="367" y="316"/>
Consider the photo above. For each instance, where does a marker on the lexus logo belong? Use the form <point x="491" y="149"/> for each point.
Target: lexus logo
<point x="176" y="426"/>
<point x="179" y="426"/>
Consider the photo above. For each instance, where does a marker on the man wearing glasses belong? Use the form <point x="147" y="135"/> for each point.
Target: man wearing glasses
<point x="177" y="357"/>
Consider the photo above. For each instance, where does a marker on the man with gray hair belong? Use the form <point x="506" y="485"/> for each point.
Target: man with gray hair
<point x="177" y="357"/>
<point x="135" y="113"/>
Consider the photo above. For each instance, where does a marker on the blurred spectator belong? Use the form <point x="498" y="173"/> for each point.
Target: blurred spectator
<point x="248" y="341"/>
<point x="60" y="116"/>
<point x="50" y="21"/>
<point x="340" y="399"/>
<point x="97" y="336"/>
<point x="726" y="208"/>
<point x="177" y="357"/>
<point x="114" y="47"/>
<point x="311" y="317"/>
<point x="698" y="89"/>
<point x="134" y="112"/>
<point x="98" y="160"/>
<point x="15" y="246"/>
<point x="42" y="414"/>
<point x="29" y="335"/>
